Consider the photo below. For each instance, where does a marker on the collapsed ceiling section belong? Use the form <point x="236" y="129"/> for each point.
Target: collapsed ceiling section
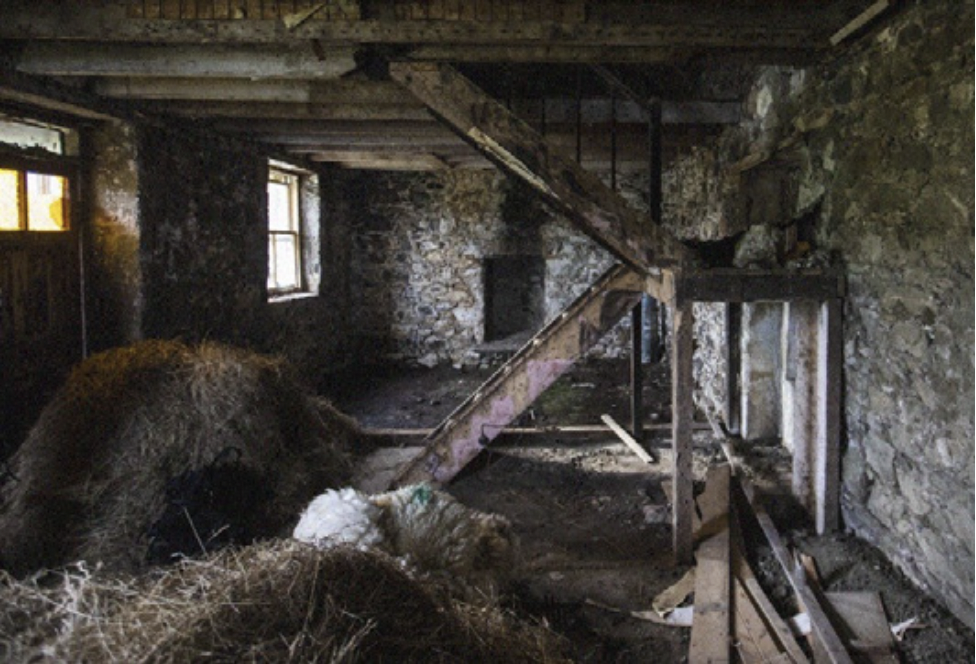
<point x="310" y="79"/>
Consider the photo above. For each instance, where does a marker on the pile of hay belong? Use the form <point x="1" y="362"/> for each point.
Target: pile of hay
<point x="92" y="476"/>
<point x="276" y="601"/>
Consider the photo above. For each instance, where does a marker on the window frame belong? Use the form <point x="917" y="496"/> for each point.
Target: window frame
<point x="278" y="174"/>
<point x="62" y="167"/>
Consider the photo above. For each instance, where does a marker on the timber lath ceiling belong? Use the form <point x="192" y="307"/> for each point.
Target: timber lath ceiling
<point x="309" y="78"/>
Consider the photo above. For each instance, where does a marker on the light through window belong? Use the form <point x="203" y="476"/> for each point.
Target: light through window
<point x="32" y="201"/>
<point x="284" y="229"/>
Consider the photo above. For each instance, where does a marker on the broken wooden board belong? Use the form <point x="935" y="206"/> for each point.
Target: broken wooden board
<point x="513" y="388"/>
<point x="627" y="439"/>
<point x="522" y="152"/>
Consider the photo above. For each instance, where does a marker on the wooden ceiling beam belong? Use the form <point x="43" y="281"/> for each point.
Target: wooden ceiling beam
<point x="294" y="110"/>
<point x="273" y="61"/>
<point x="381" y="161"/>
<point x="558" y="111"/>
<point x="106" y="21"/>
<point x="346" y="91"/>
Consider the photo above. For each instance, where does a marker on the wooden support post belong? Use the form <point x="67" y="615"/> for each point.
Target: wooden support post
<point x="733" y="328"/>
<point x="830" y="360"/>
<point x="683" y="409"/>
<point x="637" y="373"/>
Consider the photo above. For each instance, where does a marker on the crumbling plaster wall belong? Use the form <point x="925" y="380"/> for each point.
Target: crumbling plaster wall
<point x="874" y="149"/>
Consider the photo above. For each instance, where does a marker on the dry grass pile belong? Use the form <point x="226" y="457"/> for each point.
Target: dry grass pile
<point x="92" y="476"/>
<point x="280" y="601"/>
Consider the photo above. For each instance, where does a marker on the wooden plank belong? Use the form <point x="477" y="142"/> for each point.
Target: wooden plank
<point x="710" y="641"/>
<point x="549" y="354"/>
<point x="752" y="641"/>
<point x="830" y="359"/>
<point x="520" y="151"/>
<point x="822" y="629"/>
<point x="776" y="627"/>
<point x="713" y="503"/>
<point x="683" y="409"/>
<point x="627" y="439"/>
<point x="865" y="617"/>
<point x="860" y="21"/>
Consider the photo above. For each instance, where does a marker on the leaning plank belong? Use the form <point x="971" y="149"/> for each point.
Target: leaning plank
<point x="710" y="629"/>
<point x="713" y="503"/>
<point x="519" y="150"/>
<point x="824" y="633"/>
<point x="775" y="626"/>
<point x="627" y="439"/>
<point x="864" y="615"/>
<point x="753" y="641"/>
<point x="513" y="388"/>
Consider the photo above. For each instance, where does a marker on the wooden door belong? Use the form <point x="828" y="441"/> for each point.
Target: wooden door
<point x="40" y="320"/>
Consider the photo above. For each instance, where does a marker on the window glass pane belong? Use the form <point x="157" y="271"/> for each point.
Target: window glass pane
<point x="9" y="201"/>
<point x="29" y="135"/>
<point x="279" y="207"/>
<point x="45" y="202"/>
<point x="285" y="255"/>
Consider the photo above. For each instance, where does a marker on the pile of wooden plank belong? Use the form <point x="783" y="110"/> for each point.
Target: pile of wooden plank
<point x="734" y="619"/>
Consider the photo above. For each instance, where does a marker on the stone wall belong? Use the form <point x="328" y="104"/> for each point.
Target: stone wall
<point x="203" y="237"/>
<point x="895" y="163"/>
<point x="420" y="242"/>
<point x="870" y="162"/>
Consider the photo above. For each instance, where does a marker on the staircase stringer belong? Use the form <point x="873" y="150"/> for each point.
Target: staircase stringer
<point x="520" y="381"/>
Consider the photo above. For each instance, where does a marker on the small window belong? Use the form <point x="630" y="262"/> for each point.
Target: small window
<point x="32" y="201"/>
<point x="285" y="233"/>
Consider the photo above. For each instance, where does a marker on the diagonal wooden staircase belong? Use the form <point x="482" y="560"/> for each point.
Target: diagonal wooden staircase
<point x="517" y="383"/>
<point x="643" y="246"/>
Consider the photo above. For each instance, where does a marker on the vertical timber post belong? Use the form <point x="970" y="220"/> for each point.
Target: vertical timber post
<point x="830" y="355"/>
<point x="682" y="405"/>
<point x="637" y="373"/>
<point x="733" y="356"/>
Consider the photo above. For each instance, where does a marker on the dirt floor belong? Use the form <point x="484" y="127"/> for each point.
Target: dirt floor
<point x="594" y="521"/>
